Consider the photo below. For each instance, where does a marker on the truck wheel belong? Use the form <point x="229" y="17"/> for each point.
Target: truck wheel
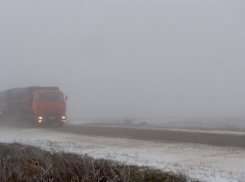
<point x="60" y="124"/>
<point x="2" y="118"/>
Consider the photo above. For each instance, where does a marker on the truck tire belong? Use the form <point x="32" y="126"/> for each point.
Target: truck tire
<point x="60" y="124"/>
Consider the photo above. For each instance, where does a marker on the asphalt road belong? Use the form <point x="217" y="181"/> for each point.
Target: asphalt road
<point x="154" y="134"/>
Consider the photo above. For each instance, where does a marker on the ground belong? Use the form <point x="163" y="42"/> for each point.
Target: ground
<point x="205" y="162"/>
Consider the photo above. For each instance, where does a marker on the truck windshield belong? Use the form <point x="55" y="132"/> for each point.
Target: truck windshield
<point x="50" y="97"/>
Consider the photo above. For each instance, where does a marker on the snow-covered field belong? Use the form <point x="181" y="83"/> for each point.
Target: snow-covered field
<point x="207" y="163"/>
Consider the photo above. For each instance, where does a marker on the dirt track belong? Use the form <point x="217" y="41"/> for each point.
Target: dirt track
<point x="234" y="140"/>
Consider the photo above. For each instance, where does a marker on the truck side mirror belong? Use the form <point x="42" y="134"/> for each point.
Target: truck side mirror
<point x="66" y="97"/>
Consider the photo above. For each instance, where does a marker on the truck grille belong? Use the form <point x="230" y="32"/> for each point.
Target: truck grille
<point x="51" y="111"/>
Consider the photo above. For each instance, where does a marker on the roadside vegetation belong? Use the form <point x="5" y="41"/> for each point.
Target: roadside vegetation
<point x="24" y="163"/>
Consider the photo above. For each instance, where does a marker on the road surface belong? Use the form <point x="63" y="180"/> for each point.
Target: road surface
<point x="232" y="139"/>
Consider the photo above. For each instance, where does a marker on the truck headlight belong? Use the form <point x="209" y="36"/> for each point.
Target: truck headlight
<point x="63" y="117"/>
<point x="40" y="117"/>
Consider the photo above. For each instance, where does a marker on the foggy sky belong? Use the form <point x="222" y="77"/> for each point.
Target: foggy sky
<point x="162" y="59"/>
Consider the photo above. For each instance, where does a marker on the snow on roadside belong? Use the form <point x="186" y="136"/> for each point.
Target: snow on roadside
<point x="208" y="163"/>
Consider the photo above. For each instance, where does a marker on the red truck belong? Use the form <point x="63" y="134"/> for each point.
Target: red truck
<point x="38" y="105"/>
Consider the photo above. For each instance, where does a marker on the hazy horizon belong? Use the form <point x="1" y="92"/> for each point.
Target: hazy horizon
<point x="136" y="59"/>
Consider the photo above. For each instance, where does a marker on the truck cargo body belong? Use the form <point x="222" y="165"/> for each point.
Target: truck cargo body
<point x="35" y="104"/>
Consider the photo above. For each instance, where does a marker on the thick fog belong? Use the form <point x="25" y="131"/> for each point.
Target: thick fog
<point x="137" y="59"/>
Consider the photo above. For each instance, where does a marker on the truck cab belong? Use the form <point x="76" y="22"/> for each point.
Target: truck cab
<point x="49" y="106"/>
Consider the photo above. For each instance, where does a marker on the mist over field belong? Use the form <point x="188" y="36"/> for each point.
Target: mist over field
<point x="135" y="59"/>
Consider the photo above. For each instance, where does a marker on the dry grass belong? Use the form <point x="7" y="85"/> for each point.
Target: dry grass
<point x="27" y="163"/>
